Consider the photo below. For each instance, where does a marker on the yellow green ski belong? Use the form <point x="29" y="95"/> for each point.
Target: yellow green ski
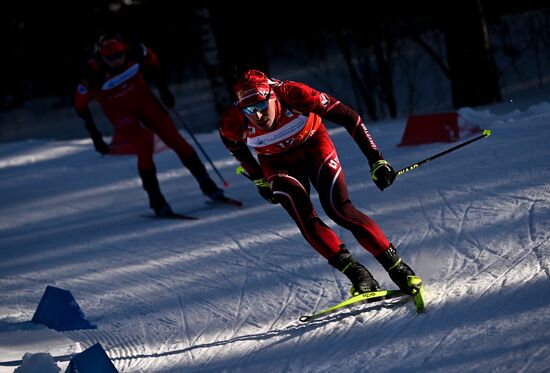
<point x="415" y="282"/>
<point x="377" y="296"/>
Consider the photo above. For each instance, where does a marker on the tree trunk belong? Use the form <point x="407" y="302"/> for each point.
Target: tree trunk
<point x="211" y="59"/>
<point x="474" y="79"/>
<point x="357" y="81"/>
<point x="382" y="51"/>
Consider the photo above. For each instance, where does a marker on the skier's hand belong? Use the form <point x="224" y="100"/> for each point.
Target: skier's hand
<point x="101" y="146"/>
<point x="167" y="98"/>
<point x="265" y="191"/>
<point x="382" y="174"/>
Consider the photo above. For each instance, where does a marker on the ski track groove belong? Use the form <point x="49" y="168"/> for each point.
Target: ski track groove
<point x="466" y="310"/>
<point x="125" y="347"/>
<point x="370" y="317"/>
<point x="461" y="269"/>
<point x="433" y="226"/>
<point x="146" y="341"/>
<point x="199" y="335"/>
<point x="214" y="308"/>
<point x="470" y="258"/>
<point x="274" y="267"/>
<point x="238" y="319"/>
<point x="446" y="203"/>
<point x="116" y="347"/>
<point x="260" y="262"/>
<point x="344" y="329"/>
<point x="257" y="261"/>
<point x="515" y="261"/>
<point x="241" y="251"/>
<point x="392" y="316"/>
<point x="460" y="228"/>
<point x="540" y="259"/>
<point x="388" y="313"/>
<point x="185" y="330"/>
<point x="290" y="295"/>
<point x="526" y="367"/>
<point x="237" y="323"/>
<point x="296" y="343"/>
<point x="454" y="267"/>
<point x="401" y="242"/>
<point x="476" y="243"/>
<point x="473" y="262"/>
<point x="532" y="228"/>
<point x="283" y="238"/>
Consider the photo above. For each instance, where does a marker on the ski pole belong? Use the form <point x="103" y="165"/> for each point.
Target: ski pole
<point x="240" y="171"/>
<point x="486" y="133"/>
<point x="177" y="114"/>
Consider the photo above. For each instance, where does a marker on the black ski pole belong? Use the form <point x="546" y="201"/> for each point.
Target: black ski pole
<point x="225" y="183"/>
<point x="486" y="133"/>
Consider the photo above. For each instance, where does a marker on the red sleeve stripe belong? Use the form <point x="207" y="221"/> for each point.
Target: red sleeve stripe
<point x="357" y="125"/>
<point x="333" y="104"/>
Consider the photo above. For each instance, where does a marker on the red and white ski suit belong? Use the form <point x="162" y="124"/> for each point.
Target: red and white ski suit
<point x="130" y="105"/>
<point x="296" y="152"/>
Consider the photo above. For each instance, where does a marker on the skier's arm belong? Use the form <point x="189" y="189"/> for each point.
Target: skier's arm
<point x="231" y="134"/>
<point x="382" y="172"/>
<point x="243" y="154"/>
<point x="346" y="117"/>
<point x="82" y="98"/>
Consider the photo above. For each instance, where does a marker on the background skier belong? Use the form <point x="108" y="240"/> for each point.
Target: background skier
<point x="116" y="76"/>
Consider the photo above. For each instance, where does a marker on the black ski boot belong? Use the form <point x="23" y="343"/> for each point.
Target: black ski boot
<point x="398" y="270"/>
<point x="156" y="200"/>
<point x="209" y="188"/>
<point x="360" y="277"/>
<point x="164" y="210"/>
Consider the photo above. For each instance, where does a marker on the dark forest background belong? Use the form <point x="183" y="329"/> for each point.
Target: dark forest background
<point x="45" y="44"/>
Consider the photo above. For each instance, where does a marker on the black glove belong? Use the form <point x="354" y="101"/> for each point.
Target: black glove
<point x="265" y="191"/>
<point x="167" y="98"/>
<point x="100" y="146"/>
<point x="382" y="174"/>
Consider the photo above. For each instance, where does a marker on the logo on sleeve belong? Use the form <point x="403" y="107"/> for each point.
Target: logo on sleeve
<point x="324" y="99"/>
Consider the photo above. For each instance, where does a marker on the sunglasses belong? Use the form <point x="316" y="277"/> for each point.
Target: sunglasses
<point x="258" y="106"/>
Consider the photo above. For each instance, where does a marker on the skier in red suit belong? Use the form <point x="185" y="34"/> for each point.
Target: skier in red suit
<point x="116" y="78"/>
<point x="283" y="122"/>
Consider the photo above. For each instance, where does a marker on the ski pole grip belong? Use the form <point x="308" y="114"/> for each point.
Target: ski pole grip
<point x="241" y="171"/>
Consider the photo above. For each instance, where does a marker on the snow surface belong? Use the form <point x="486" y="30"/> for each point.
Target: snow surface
<point x="224" y="293"/>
